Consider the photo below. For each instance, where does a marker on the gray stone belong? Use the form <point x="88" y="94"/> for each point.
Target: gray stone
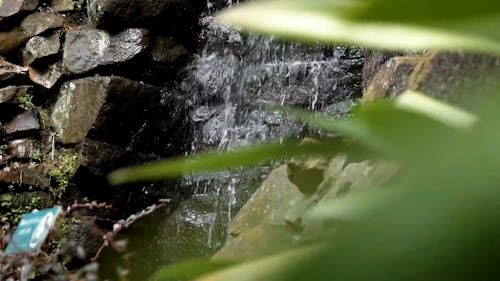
<point x="269" y="204"/>
<point x="39" y="47"/>
<point x="449" y="76"/>
<point x="32" y="25"/>
<point x="47" y="77"/>
<point x="26" y="121"/>
<point x="12" y="7"/>
<point x="62" y="5"/>
<point x="86" y="49"/>
<point x="11" y="93"/>
<point x="10" y="71"/>
<point x="113" y="107"/>
<point x="25" y="148"/>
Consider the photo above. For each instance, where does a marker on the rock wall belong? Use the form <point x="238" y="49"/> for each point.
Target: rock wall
<point x="86" y="87"/>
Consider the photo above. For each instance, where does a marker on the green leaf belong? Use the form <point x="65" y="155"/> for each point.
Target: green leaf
<point x="352" y="206"/>
<point x="371" y="131"/>
<point x="384" y="127"/>
<point x="243" y="157"/>
<point x="265" y="268"/>
<point x="376" y="23"/>
<point x="424" y="10"/>
<point x="437" y="110"/>
<point x="189" y="270"/>
<point x="352" y="128"/>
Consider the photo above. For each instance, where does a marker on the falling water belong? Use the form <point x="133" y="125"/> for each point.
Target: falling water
<point x="227" y="83"/>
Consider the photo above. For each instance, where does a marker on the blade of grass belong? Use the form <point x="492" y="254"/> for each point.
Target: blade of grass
<point x="216" y="160"/>
<point x="325" y="22"/>
<point x="189" y="270"/>
<point x="437" y="110"/>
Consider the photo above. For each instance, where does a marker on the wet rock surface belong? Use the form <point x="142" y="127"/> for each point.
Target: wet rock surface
<point x="112" y="107"/>
<point x="392" y="78"/>
<point x="236" y="74"/>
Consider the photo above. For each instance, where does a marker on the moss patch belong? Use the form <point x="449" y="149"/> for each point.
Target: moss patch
<point x="65" y="167"/>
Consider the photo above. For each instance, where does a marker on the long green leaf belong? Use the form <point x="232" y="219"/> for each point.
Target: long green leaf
<point x="266" y="268"/>
<point x="216" y="160"/>
<point x="384" y="127"/>
<point x="445" y="113"/>
<point x="344" y="21"/>
<point x="189" y="270"/>
<point x="351" y="128"/>
<point x="371" y="130"/>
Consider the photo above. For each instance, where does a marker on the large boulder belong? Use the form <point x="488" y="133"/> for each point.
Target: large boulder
<point x="133" y="53"/>
<point x="275" y="216"/>
<point x="448" y="76"/>
<point x="86" y="49"/>
<point x="374" y="60"/>
<point x="111" y="108"/>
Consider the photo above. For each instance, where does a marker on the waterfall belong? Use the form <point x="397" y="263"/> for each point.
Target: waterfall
<point x="227" y="82"/>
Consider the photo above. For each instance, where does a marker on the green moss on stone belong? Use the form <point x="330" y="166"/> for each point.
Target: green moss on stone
<point x="25" y="102"/>
<point x="65" y="168"/>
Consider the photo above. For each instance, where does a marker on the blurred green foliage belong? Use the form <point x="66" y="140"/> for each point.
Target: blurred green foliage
<point x="389" y="24"/>
<point x="439" y="219"/>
